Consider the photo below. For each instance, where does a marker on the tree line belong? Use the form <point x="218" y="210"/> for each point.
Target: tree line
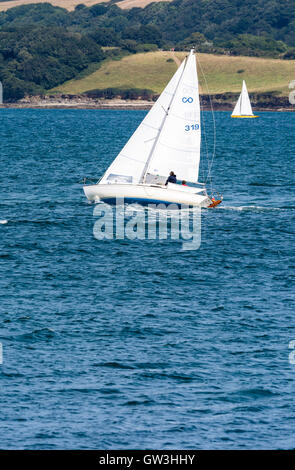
<point x="41" y="46"/>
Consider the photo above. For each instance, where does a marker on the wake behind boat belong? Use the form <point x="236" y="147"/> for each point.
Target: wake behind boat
<point x="167" y="140"/>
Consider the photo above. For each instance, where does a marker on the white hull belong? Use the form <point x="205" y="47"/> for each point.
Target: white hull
<point x="146" y="194"/>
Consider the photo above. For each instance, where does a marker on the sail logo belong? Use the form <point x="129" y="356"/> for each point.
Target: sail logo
<point x="152" y="222"/>
<point x="192" y="127"/>
<point x="187" y="100"/>
<point x="292" y="93"/>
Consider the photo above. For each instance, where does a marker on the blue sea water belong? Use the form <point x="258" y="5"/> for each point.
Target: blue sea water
<point x="138" y="344"/>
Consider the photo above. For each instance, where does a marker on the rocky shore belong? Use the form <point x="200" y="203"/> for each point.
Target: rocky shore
<point x="76" y="102"/>
<point x="222" y="102"/>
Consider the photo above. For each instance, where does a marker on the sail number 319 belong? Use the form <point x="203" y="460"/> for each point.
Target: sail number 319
<point x="192" y="127"/>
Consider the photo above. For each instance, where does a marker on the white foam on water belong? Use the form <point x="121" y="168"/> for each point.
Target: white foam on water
<point x="3" y="221"/>
<point x="250" y="208"/>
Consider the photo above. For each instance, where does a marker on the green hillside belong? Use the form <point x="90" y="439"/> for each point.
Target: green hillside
<point x="43" y="46"/>
<point x="152" y="70"/>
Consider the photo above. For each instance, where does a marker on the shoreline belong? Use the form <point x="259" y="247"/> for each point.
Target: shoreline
<point x="77" y="102"/>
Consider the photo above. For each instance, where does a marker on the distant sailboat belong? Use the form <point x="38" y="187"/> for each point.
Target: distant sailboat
<point x="167" y="140"/>
<point x="243" y="108"/>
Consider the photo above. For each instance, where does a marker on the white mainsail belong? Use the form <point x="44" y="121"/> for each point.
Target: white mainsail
<point x="129" y="165"/>
<point x="243" y="106"/>
<point x="169" y="137"/>
<point x="178" y="145"/>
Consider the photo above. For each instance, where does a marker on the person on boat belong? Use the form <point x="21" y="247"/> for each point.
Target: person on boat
<point x="183" y="183"/>
<point x="171" y="178"/>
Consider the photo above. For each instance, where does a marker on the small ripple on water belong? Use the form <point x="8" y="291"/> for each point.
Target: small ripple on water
<point x="113" y="365"/>
<point x="153" y="346"/>
<point x="42" y="334"/>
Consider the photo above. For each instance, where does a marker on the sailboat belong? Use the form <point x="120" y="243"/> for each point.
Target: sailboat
<point x="168" y="139"/>
<point x="243" y="108"/>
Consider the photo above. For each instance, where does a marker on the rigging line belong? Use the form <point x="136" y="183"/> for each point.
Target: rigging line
<point x="205" y="136"/>
<point x="165" y="111"/>
<point x="206" y="140"/>
<point x="214" y="126"/>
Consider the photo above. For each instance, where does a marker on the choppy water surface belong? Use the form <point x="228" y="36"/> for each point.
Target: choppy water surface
<point x="137" y="344"/>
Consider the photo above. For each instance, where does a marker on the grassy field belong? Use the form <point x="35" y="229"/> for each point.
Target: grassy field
<point x="223" y="73"/>
<point x="71" y="4"/>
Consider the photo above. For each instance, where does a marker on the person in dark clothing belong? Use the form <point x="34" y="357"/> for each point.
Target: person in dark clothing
<point x="171" y="178"/>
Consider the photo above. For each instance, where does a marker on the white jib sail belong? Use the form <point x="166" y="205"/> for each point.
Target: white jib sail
<point x="129" y="166"/>
<point x="243" y="106"/>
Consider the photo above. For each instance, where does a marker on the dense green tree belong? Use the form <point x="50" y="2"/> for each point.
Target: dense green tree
<point x="174" y="21"/>
<point x="97" y="10"/>
<point x="36" y="59"/>
<point x="289" y="55"/>
<point x="105" y="37"/>
<point x="248" y="44"/>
